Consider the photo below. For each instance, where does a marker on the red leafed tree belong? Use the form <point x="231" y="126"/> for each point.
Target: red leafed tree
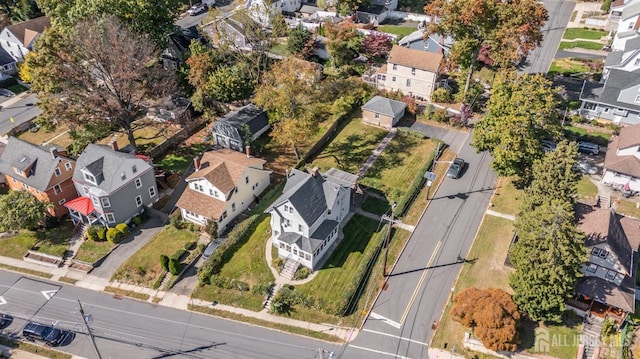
<point x="376" y="46"/>
<point x="491" y="314"/>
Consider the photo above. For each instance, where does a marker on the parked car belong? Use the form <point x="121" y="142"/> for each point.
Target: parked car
<point x="34" y="128"/>
<point x="5" y="319"/>
<point x="197" y="9"/>
<point x="210" y="249"/>
<point x="588" y="147"/>
<point x="548" y="145"/>
<point x="455" y="168"/>
<point x="44" y="333"/>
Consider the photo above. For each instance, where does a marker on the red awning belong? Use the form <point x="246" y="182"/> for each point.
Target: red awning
<point x="82" y="205"/>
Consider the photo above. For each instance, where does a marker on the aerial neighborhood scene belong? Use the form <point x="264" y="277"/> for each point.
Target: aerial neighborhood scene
<point x="439" y="179"/>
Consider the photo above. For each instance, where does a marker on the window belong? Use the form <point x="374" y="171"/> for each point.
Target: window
<point x="246" y="180"/>
<point x="630" y="25"/>
<point x="62" y="201"/>
<point x="210" y="192"/>
<point x="382" y="77"/>
<point x="637" y="62"/>
<point x="139" y="201"/>
<point x="224" y="215"/>
<point x="57" y="172"/>
<point x="89" y="178"/>
<point x="295" y="251"/>
<point x="413" y="71"/>
<point x="86" y="190"/>
<point x="256" y="186"/>
<point x="134" y="169"/>
<point x="281" y="245"/>
<point x="286" y="208"/>
<point x="152" y="191"/>
<point x="408" y="82"/>
<point x="290" y="209"/>
<point x="299" y="228"/>
<point x="67" y="166"/>
<point x="395" y="66"/>
<point x="111" y="218"/>
<point x="138" y="183"/>
<point x="592" y="268"/>
<point x="599" y="252"/>
<point x="307" y="256"/>
<point x="620" y="112"/>
<point x="393" y="79"/>
<point x="605" y="110"/>
<point x="105" y="202"/>
<point x="637" y="99"/>
<point x="235" y="190"/>
<point x="123" y="176"/>
<point x="611" y="275"/>
<point x="233" y="207"/>
<point x="589" y="106"/>
<point x="215" y="193"/>
<point x="286" y="222"/>
<point x="57" y="189"/>
<point x="95" y="200"/>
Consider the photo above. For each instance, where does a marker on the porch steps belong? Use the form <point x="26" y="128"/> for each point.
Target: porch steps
<point x="590" y="336"/>
<point x="603" y="201"/>
<point x="76" y="241"/>
<point x="290" y="267"/>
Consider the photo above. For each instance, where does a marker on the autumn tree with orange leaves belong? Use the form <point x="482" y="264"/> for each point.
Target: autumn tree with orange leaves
<point x="505" y="31"/>
<point x="491" y="314"/>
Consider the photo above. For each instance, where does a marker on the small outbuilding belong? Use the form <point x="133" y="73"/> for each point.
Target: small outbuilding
<point x="383" y="112"/>
<point x="236" y="128"/>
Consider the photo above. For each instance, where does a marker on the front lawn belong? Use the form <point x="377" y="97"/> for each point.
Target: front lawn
<point x="400" y="31"/>
<point x="376" y="205"/>
<point x="90" y="251"/>
<point x="42" y="136"/>
<point x="584" y="33"/>
<point x="587" y="191"/>
<point x="568" y="67"/>
<point x="575" y="133"/>
<point x="53" y="241"/>
<point x="589" y="45"/>
<point x="506" y="198"/>
<point x="351" y="147"/>
<point x="627" y="207"/>
<point x="394" y="171"/>
<point x="144" y="267"/>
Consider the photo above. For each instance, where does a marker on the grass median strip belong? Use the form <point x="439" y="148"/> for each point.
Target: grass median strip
<point x="26" y="271"/>
<point x="32" y="348"/>
<point x="127" y="293"/>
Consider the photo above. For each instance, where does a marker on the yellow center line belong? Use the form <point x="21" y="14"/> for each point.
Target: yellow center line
<point x="422" y="278"/>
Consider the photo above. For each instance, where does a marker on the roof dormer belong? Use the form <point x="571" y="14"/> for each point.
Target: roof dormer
<point x="24" y="166"/>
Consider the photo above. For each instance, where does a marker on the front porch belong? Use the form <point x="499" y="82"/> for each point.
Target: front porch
<point x="81" y="210"/>
<point x="587" y="307"/>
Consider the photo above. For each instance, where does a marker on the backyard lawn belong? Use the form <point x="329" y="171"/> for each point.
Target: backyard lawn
<point x="627" y="207"/>
<point x="351" y="147"/>
<point x="53" y="241"/>
<point x="143" y="267"/>
<point x="395" y="169"/>
<point x="90" y="251"/>
<point x="587" y="191"/>
<point x="583" y="33"/>
<point x="400" y="31"/>
<point x="180" y="159"/>
<point x="42" y="136"/>
<point x="376" y="205"/>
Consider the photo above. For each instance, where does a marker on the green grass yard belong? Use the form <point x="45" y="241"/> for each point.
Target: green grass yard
<point x="90" y="251"/>
<point x="400" y="31"/>
<point x="376" y="205"/>
<point x="143" y="267"/>
<point x="583" y="33"/>
<point x="180" y="159"/>
<point x="587" y="191"/>
<point x="589" y="45"/>
<point x="568" y="67"/>
<point x="54" y="241"/>
<point x="506" y="198"/>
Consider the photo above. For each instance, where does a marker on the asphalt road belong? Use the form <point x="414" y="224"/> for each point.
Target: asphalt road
<point x="539" y="60"/>
<point x="130" y="329"/>
<point x="23" y="110"/>
<point x="400" y="324"/>
<point x="188" y="21"/>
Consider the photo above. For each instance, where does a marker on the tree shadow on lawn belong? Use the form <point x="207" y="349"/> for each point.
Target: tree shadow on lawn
<point x="527" y="329"/>
<point x="350" y="153"/>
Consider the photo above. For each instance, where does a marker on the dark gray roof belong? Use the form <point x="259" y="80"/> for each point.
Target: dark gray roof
<point x="308" y="9"/>
<point x="607" y="292"/>
<point x="372" y="9"/>
<point x="23" y="155"/>
<point x="249" y="115"/>
<point x="346" y="179"/>
<point x="632" y="44"/>
<point x="434" y="42"/>
<point x="384" y="106"/>
<point x="5" y="58"/>
<point x="608" y="92"/>
<point x="306" y="244"/>
<point x="102" y="161"/>
<point x="614" y="58"/>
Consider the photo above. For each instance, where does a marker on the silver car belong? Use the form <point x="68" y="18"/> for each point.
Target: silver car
<point x="455" y="168"/>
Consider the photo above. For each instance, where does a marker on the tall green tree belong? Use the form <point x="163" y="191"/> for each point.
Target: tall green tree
<point x="149" y="18"/>
<point x="20" y="10"/>
<point x="20" y="209"/>
<point x="520" y="113"/>
<point x="230" y="83"/>
<point x="344" y="43"/>
<point x="506" y="30"/>
<point x="297" y="39"/>
<point x="101" y="74"/>
<point x="547" y="258"/>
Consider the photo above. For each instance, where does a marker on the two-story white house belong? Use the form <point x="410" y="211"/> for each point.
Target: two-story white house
<point x="627" y="15"/>
<point x="616" y="100"/>
<point x="412" y="72"/>
<point x="305" y="220"/>
<point x="262" y="11"/>
<point x="622" y="161"/>
<point x="18" y="39"/>
<point x="223" y="186"/>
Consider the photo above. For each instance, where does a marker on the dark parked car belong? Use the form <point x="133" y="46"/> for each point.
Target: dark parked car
<point x="588" y="147"/>
<point x="455" y="168"/>
<point x="44" y="333"/>
<point x="5" y="319"/>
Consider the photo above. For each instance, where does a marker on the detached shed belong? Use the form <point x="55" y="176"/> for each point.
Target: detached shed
<point x="383" y="112"/>
<point x="228" y="131"/>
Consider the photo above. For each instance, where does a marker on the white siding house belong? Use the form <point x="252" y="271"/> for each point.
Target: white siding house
<point x="18" y="39"/>
<point x="622" y="161"/>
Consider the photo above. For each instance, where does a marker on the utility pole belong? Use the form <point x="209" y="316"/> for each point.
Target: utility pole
<point x="387" y="239"/>
<point x="86" y="324"/>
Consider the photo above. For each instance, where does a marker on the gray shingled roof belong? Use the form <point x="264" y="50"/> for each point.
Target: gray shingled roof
<point x="608" y="92"/>
<point x="309" y="245"/>
<point x="5" y="58"/>
<point x="614" y="58"/>
<point x="249" y="115"/>
<point x="102" y="161"/>
<point x="22" y="155"/>
<point x="630" y="10"/>
<point x="384" y="106"/>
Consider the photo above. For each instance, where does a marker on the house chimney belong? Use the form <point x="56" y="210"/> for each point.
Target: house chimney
<point x="54" y="152"/>
<point x="196" y="162"/>
<point x="247" y="150"/>
<point x="286" y="174"/>
<point x="114" y="145"/>
<point x="314" y="171"/>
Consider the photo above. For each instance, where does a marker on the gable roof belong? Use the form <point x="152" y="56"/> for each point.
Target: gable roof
<point x="26" y="31"/>
<point x="629" y="136"/>
<point x="629" y="165"/>
<point x="5" y="58"/>
<point x="200" y="203"/>
<point x="608" y="93"/>
<point x="310" y="244"/>
<point x="433" y="43"/>
<point x="423" y="60"/>
<point x="250" y="115"/>
<point x="384" y="106"/>
<point x="39" y="161"/>
<point x="107" y="166"/>
<point x="223" y="168"/>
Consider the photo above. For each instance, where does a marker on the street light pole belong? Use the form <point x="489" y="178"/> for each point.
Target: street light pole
<point x="93" y="339"/>
<point x="387" y="240"/>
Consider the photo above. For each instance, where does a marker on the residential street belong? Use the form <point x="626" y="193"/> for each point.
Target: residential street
<point x="400" y="324"/>
<point x="539" y="60"/>
<point x="21" y="108"/>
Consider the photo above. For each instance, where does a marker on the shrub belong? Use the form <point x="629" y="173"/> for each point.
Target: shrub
<point x="302" y="273"/>
<point x="164" y="262"/>
<point x="573" y="105"/>
<point x="102" y="233"/>
<point x="211" y="228"/>
<point x="261" y="289"/>
<point x="285" y="300"/>
<point x="122" y="228"/>
<point x="278" y="264"/>
<point x="190" y="245"/>
<point x="174" y="266"/>
<point x="92" y="233"/>
<point x="136" y="220"/>
<point x="412" y="133"/>
<point x="113" y="235"/>
<point x="239" y="285"/>
<point x="439" y="115"/>
<point x="594" y="123"/>
<point x="442" y="95"/>
<point x="176" y="222"/>
<point x="201" y="248"/>
<point x="178" y="254"/>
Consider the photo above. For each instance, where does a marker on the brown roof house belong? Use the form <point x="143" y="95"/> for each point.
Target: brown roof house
<point x="383" y="112"/>
<point x="410" y="71"/>
<point x="223" y="186"/>
<point x="18" y="39"/>
<point x="608" y="285"/>
<point x="622" y="161"/>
